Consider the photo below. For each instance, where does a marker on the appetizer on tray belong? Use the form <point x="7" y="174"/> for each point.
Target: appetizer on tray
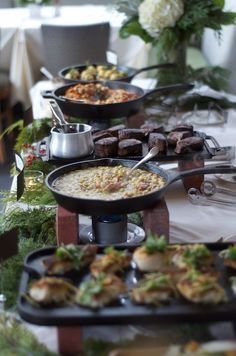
<point x="201" y="288"/>
<point x="154" y="288"/>
<point x="100" y="291"/>
<point x="113" y="261"/>
<point x="153" y="255"/>
<point x="229" y="256"/>
<point x="51" y="290"/>
<point x="195" y="256"/>
<point x="69" y="257"/>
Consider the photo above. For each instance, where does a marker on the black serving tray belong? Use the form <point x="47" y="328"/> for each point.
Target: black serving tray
<point x="179" y="310"/>
<point x="208" y="151"/>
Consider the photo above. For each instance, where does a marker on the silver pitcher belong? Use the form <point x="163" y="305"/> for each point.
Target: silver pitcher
<point x="72" y="144"/>
<point x="69" y="140"/>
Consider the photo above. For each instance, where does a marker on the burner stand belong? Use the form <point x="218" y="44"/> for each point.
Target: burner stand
<point x="109" y="229"/>
<point x="155" y="220"/>
<point x="135" y="235"/>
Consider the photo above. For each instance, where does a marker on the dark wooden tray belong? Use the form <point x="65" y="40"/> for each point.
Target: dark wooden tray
<point x="208" y="151"/>
<point x="125" y="311"/>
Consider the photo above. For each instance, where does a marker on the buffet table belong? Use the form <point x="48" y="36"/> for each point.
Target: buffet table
<point x="21" y="42"/>
<point x="184" y="216"/>
<point x="188" y="223"/>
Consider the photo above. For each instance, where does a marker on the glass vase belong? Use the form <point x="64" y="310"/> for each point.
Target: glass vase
<point x="177" y="55"/>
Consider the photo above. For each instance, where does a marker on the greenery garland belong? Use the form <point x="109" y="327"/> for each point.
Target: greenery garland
<point x="15" y="339"/>
<point x="11" y="270"/>
<point x="37" y="223"/>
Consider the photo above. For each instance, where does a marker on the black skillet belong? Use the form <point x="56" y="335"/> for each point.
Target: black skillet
<point x="108" y="111"/>
<point x="127" y="205"/>
<point x="130" y="73"/>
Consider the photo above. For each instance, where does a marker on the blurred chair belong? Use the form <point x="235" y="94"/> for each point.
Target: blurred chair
<point x="67" y="45"/>
<point x="7" y="4"/>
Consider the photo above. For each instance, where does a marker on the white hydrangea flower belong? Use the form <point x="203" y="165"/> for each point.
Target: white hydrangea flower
<point x="155" y="15"/>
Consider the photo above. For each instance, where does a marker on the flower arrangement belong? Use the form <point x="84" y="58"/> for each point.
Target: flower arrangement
<point x="171" y="25"/>
<point x="155" y="16"/>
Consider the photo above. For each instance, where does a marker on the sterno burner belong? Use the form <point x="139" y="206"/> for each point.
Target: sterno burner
<point x="135" y="235"/>
<point x="109" y="229"/>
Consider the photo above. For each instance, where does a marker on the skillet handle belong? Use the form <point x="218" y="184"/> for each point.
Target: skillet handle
<point x="155" y="66"/>
<point x="211" y="169"/>
<point x="47" y="94"/>
<point x="169" y="88"/>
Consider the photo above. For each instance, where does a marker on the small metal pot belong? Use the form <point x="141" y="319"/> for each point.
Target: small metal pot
<point x="76" y="144"/>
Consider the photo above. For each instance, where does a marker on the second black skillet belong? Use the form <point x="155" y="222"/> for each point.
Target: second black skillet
<point x="76" y="108"/>
<point x="130" y="72"/>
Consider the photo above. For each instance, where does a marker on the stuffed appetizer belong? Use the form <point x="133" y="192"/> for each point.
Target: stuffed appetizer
<point x="113" y="261"/>
<point x="201" y="288"/>
<point x="195" y="256"/>
<point x="52" y="290"/>
<point x="229" y="256"/>
<point x="153" y="255"/>
<point x="69" y="257"/>
<point x="154" y="288"/>
<point x="100" y="291"/>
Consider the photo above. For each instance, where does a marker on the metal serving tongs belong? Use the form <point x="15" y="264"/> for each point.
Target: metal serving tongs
<point x="195" y="197"/>
<point x="59" y="120"/>
<point x="214" y="115"/>
<point x="208" y="188"/>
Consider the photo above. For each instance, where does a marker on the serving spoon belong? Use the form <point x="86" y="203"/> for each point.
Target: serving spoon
<point x="152" y="153"/>
<point x="195" y="197"/>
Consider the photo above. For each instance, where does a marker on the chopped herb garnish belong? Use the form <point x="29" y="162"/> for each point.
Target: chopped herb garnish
<point x="200" y="280"/>
<point x="193" y="255"/>
<point x="229" y="253"/>
<point x="154" y="243"/>
<point x="232" y="252"/>
<point x="90" y="288"/>
<point x="154" y="281"/>
<point x="111" y="250"/>
<point x="72" y="253"/>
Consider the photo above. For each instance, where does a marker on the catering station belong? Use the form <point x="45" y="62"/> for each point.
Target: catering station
<point x="137" y="186"/>
<point x="101" y="177"/>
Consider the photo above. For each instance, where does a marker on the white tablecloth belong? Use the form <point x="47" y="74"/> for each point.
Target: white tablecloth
<point x="21" y="43"/>
<point x="193" y="223"/>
